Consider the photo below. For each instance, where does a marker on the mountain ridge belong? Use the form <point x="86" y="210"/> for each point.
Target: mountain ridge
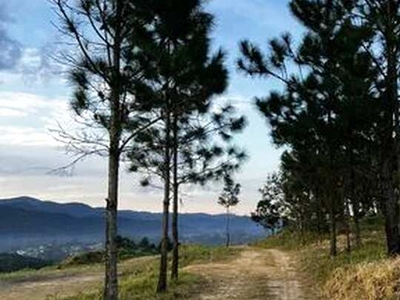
<point x="27" y="221"/>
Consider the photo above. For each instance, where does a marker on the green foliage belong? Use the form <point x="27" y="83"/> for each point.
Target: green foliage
<point x="325" y="116"/>
<point x="127" y="249"/>
<point x="84" y="259"/>
<point x="270" y="208"/>
<point x="195" y="254"/>
<point x="142" y="288"/>
<point x="230" y="194"/>
<point x="289" y="239"/>
<point x="14" y="262"/>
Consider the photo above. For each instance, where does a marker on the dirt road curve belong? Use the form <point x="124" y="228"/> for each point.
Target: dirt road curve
<point x="40" y="289"/>
<point x="255" y="274"/>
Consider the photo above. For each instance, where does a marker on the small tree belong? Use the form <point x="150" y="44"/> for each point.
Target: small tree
<point x="268" y="212"/>
<point x="228" y="198"/>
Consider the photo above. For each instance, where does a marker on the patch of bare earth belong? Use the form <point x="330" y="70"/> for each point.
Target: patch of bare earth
<point x="255" y="274"/>
<point x="61" y="283"/>
<point x="57" y="286"/>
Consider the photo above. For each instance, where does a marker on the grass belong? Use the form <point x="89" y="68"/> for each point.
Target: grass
<point x="142" y="287"/>
<point x="289" y="240"/>
<point x="29" y="274"/>
<point x="196" y="254"/>
<point x="315" y="259"/>
<point x="139" y="281"/>
<point x="365" y="273"/>
<point x="378" y="280"/>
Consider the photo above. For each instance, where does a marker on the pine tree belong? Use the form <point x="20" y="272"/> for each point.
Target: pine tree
<point x="382" y="17"/>
<point x="185" y="77"/>
<point x="269" y="211"/>
<point x="229" y="198"/>
<point x="108" y="96"/>
<point x="308" y="116"/>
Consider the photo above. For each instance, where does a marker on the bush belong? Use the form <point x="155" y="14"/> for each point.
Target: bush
<point x="14" y="262"/>
<point x="126" y="249"/>
<point x="85" y="259"/>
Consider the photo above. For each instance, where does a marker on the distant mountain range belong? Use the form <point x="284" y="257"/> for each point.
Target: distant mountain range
<point x="27" y="222"/>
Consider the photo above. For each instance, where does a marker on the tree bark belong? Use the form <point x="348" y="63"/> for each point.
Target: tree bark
<point x="390" y="162"/>
<point x="228" y="238"/>
<point x="175" y="237"/>
<point x="162" y="279"/>
<point x="391" y="212"/>
<point x="111" y="256"/>
<point x="333" y="238"/>
<point x="348" y="226"/>
<point x="357" y="229"/>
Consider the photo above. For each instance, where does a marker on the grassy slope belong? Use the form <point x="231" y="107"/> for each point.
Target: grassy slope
<point x="138" y="277"/>
<point x="367" y="273"/>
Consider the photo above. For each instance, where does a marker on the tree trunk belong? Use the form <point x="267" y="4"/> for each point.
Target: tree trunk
<point x="348" y="227"/>
<point x="175" y="238"/>
<point x="354" y="201"/>
<point x="357" y="229"/>
<point x="391" y="212"/>
<point x="390" y="162"/>
<point x="111" y="255"/>
<point x="333" y="239"/>
<point x="227" y="228"/>
<point x="162" y="279"/>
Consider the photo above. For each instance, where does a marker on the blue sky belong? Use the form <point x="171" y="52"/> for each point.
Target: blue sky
<point x="34" y="97"/>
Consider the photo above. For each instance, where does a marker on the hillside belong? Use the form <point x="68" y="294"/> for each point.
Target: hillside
<point x="26" y="222"/>
<point x="287" y="266"/>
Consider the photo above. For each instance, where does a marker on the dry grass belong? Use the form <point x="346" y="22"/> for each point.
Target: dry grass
<point x="367" y="273"/>
<point x="368" y="281"/>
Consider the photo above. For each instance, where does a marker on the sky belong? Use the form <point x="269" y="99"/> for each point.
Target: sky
<point x="34" y="98"/>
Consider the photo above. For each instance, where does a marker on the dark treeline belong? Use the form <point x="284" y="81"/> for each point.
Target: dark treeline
<point x="337" y="116"/>
<point x="145" y="83"/>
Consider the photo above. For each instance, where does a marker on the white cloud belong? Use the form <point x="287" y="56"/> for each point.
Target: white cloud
<point x="29" y="103"/>
<point x="24" y="136"/>
<point x="9" y="112"/>
<point x="29" y="118"/>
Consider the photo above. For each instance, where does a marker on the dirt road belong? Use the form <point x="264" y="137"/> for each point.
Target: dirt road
<point x="54" y="284"/>
<point x="255" y="274"/>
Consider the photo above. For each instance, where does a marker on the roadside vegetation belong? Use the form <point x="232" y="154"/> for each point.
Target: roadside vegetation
<point x="367" y="272"/>
<point x="127" y="249"/>
<point x="10" y="262"/>
<point x="137" y="277"/>
<point x="139" y="284"/>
